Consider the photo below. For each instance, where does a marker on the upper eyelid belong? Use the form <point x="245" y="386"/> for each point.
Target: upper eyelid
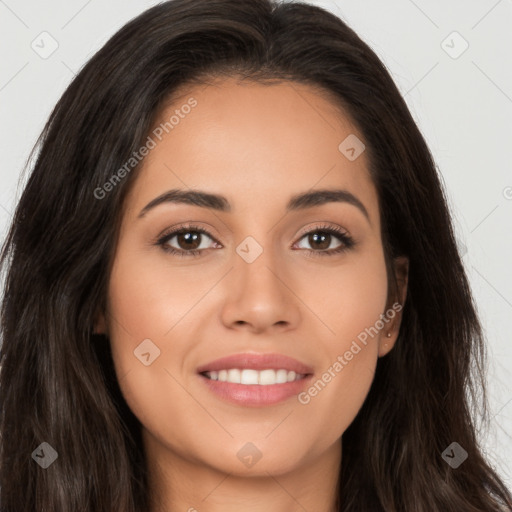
<point x="324" y="226"/>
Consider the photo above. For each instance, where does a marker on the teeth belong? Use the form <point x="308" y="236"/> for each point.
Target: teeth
<point x="234" y="376"/>
<point x="248" y="377"/>
<point x="251" y="377"/>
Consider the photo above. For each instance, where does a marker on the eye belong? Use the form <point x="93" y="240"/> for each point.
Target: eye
<point x="321" y="238"/>
<point x="190" y="240"/>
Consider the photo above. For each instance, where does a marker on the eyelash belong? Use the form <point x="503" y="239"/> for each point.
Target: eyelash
<point x="346" y="240"/>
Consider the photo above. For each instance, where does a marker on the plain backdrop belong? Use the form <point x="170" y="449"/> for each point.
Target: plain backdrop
<point x="452" y="61"/>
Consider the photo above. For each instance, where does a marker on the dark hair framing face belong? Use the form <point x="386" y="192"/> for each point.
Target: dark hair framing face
<point x="57" y="381"/>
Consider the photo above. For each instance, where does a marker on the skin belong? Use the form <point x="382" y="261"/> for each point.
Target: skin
<point x="257" y="145"/>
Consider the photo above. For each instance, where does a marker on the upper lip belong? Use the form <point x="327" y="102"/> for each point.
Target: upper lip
<point x="256" y="362"/>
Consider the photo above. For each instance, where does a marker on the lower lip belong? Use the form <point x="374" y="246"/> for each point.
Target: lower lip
<point x="255" y="395"/>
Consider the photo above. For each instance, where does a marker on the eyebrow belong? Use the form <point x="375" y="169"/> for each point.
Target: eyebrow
<point x="220" y="203"/>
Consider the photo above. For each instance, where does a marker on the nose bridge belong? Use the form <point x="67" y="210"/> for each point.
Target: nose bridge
<point x="258" y="264"/>
<point x="256" y="293"/>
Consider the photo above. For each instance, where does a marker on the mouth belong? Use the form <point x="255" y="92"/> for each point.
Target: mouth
<point x="255" y="380"/>
<point x="248" y="387"/>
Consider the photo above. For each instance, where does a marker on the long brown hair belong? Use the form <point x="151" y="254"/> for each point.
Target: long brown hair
<point x="57" y="383"/>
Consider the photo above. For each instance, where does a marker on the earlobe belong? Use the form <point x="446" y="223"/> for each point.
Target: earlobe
<point x="387" y="343"/>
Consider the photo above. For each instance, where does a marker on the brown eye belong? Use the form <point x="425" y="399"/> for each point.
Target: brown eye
<point x="189" y="239"/>
<point x="186" y="241"/>
<point x="321" y="238"/>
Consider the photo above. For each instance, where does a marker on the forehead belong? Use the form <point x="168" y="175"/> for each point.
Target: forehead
<point x="257" y="144"/>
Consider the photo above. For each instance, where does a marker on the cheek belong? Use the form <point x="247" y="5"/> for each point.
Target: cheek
<point x="147" y="299"/>
<point x="349" y="302"/>
<point x="347" y="298"/>
<point x="147" y="311"/>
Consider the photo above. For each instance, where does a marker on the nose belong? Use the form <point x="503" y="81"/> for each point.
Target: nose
<point x="259" y="296"/>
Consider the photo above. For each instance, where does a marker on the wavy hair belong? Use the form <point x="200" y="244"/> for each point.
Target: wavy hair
<point x="57" y="382"/>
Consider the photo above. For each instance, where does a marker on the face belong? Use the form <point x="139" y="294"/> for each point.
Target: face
<point x="258" y="272"/>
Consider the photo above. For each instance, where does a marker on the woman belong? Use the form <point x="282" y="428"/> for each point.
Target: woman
<point x="232" y="282"/>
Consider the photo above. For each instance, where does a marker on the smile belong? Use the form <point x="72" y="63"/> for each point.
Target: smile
<point x="266" y="377"/>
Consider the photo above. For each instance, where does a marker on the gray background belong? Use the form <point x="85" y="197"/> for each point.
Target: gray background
<point x="462" y="101"/>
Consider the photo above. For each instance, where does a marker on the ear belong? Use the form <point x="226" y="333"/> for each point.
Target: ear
<point x="394" y="306"/>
